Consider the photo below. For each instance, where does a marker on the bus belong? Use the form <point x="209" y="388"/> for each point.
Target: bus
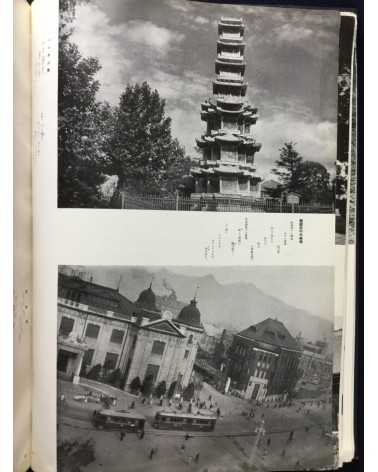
<point x="123" y="420"/>
<point x="183" y="421"/>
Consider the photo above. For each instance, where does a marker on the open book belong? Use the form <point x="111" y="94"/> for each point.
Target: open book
<point x="185" y="236"/>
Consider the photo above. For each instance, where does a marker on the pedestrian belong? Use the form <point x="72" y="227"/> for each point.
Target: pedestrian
<point x="152" y="452"/>
<point x="218" y="412"/>
<point x="291" y="435"/>
<point x="122" y="435"/>
<point x="132" y="404"/>
<point x="141" y="434"/>
<point x="196" y="458"/>
<point x="143" y="400"/>
<point x="268" y="441"/>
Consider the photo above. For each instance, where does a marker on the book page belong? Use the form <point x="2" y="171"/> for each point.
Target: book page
<point x="132" y="305"/>
<point x="22" y="239"/>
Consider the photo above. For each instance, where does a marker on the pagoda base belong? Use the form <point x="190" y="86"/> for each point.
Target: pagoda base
<point x="231" y="186"/>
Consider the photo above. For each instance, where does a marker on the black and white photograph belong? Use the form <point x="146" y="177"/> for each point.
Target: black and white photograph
<point x="197" y="106"/>
<point x="202" y="368"/>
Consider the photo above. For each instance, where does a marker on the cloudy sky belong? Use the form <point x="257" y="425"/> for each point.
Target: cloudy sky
<point x="306" y="287"/>
<point x="291" y="69"/>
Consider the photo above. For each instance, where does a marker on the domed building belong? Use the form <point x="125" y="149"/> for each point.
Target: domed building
<point x="146" y="302"/>
<point x="134" y="337"/>
<point x="190" y="315"/>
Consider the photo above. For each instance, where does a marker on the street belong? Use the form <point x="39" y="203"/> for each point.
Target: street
<point x="230" y="447"/>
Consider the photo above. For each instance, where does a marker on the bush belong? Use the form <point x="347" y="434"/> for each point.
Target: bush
<point x="147" y="385"/>
<point x="72" y="456"/>
<point x="171" y="389"/>
<point x="160" y="389"/>
<point x="94" y="373"/>
<point x="135" y="385"/>
<point x="114" y="378"/>
<point x="188" y="392"/>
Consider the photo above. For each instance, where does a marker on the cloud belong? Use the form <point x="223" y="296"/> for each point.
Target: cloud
<point x="146" y="33"/>
<point x="201" y="20"/>
<point x="316" y="141"/>
<point x="180" y="5"/>
<point x="288" y="32"/>
<point x="121" y="47"/>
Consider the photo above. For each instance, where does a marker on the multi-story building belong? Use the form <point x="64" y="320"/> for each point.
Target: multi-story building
<point x="314" y="363"/>
<point x="264" y="361"/>
<point x="98" y="325"/>
<point x="228" y="147"/>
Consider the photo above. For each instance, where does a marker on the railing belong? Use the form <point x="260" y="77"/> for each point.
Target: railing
<point x="203" y="202"/>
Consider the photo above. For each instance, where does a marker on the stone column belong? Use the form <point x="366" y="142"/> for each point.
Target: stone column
<point x="196" y="186"/>
<point x="79" y="362"/>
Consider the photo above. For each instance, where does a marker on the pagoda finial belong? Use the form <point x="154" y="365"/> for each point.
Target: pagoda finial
<point x="196" y="293"/>
<point x="152" y="279"/>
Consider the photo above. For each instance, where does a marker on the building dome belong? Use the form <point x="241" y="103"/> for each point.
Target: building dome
<point x="190" y="315"/>
<point x="147" y="300"/>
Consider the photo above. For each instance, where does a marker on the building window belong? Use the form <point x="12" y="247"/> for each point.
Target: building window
<point x="66" y="326"/>
<point x="92" y="331"/>
<point x="158" y="348"/>
<point x="117" y="336"/>
<point x="186" y="354"/>
<point x="88" y="356"/>
<point x="110" y="361"/>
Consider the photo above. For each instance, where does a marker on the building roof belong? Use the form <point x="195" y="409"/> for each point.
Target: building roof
<point x="190" y="315"/>
<point x="147" y="300"/>
<point x="91" y="294"/>
<point x="271" y="331"/>
<point x="164" y="326"/>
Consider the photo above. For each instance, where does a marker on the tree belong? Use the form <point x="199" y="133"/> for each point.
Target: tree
<point x="172" y="389"/>
<point x="135" y="385"/>
<point x="287" y="167"/>
<point x="160" y="389"/>
<point x="144" y="156"/>
<point x="82" y="121"/>
<point x="147" y="386"/>
<point x="94" y="373"/>
<point x="188" y="392"/>
<point x="313" y="183"/>
<point x="72" y="456"/>
<point x="114" y="378"/>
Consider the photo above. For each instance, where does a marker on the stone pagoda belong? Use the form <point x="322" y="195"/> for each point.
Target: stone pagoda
<point x="228" y="148"/>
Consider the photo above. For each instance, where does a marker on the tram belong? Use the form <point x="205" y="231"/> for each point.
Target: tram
<point x="183" y="421"/>
<point x="125" y="420"/>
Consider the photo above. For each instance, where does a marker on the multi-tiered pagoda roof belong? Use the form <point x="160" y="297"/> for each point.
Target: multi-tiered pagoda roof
<point x="227" y="145"/>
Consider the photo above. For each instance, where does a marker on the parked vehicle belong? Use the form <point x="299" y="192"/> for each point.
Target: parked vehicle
<point x="184" y="421"/>
<point x="125" y="420"/>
